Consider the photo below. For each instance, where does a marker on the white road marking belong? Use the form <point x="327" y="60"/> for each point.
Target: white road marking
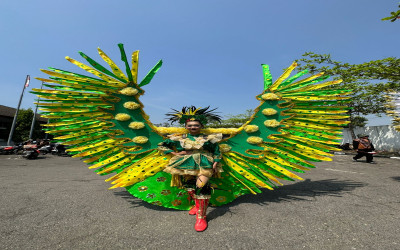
<point x="342" y="171"/>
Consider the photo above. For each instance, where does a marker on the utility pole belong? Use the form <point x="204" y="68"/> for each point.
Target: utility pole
<point x="26" y="84"/>
<point x="34" y="116"/>
<point x="46" y="135"/>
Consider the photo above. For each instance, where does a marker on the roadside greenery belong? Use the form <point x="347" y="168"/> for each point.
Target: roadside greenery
<point x="370" y="81"/>
<point x="232" y="121"/>
<point x="23" y="127"/>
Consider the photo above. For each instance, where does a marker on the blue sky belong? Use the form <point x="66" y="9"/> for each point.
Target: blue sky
<point x="212" y="49"/>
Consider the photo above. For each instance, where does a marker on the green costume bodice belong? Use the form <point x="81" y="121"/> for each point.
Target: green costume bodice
<point x="187" y="142"/>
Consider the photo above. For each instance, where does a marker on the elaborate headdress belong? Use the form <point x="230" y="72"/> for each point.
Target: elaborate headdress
<point x="203" y="115"/>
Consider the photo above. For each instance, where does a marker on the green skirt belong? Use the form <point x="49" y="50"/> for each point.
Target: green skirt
<point x="193" y="164"/>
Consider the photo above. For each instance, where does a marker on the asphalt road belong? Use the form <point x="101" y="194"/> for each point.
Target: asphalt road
<point x="57" y="203"/>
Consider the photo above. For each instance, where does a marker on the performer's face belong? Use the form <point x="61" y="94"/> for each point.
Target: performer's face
<point x="193" y="127"/>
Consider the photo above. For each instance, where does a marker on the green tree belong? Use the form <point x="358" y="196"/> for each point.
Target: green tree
<point x="233" y="121"/>
<point x="163" y="124"/>
<point x="369" y="81"/>
<point x="394" y="16"/>
<point x="23" y="126"/>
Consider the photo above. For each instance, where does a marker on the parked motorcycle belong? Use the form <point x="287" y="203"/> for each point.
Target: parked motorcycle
<point x="8" y="150"/>
<point x="19" y="148"/>
<point x="30" y="152"/>
<point x="47" y="149"/>
<point x="59" y="150"/>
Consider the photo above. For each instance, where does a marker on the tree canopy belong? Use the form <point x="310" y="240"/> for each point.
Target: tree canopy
<point x="370" y="81"/>
<point x="394" y="15"/>
<point x="23" y="126"/>
<point x="232" y="121"/>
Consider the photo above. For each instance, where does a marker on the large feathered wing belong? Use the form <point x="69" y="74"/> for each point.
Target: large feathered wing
<point x="297" y="122"/>
<point x="101" y="119"/>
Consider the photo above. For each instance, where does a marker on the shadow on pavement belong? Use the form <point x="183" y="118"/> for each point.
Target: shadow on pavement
<point x="396" y="178"/>
<point x="297" y="191"/>
<point x="136" y="202"/>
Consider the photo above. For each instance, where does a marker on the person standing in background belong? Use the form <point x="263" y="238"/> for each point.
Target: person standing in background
<point x="364" y="147"/>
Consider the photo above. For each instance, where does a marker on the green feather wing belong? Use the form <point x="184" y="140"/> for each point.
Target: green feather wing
<point x="296" y="123"/>
<point x="101" y="118"/>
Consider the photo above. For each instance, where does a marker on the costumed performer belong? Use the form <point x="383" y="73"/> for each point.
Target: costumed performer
<point x="195" y="160"/>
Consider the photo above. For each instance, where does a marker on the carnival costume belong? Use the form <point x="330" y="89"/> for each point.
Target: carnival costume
<point x="203" y="153"/>
<point x="200" y="153"/>
<point x="101" y="120"/>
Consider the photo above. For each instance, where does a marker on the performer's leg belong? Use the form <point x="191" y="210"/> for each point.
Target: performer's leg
<point x="201" y="181"/>
<point x="189" y="182"/>
<point x="203" y="189"/>
<point x="201" y="220"/>
<point x="194" y="208"/>
<point x="203" y="194"/>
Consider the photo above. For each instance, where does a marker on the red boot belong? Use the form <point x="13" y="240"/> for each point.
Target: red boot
<point x="201" y="220"/>
<point x="194" y="209"/>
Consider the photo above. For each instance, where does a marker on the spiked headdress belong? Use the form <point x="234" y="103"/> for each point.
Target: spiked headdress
<point x="202" y="115"/>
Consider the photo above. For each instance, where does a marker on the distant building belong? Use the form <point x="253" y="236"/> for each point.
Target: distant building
<point x="6" y="119"/>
